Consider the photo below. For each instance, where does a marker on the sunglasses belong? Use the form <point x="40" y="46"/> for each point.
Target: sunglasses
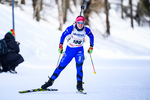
<point x="80" y="22"/>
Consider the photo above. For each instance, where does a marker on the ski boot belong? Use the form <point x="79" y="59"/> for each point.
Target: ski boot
<point x="79" y="86"/>
<point x="47" y="84"/>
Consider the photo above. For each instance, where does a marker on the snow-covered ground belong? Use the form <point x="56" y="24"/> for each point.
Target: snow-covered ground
<point x="121" y="60"/>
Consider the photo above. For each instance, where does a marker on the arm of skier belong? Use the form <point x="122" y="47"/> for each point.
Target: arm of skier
<point x="63" y="36"/>
<point x="91" y="36"/>
<point x="65" y="33"/>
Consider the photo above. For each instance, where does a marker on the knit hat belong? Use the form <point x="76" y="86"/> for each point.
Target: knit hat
<point x="12" y="32"/>
<point x="80" y="18"/>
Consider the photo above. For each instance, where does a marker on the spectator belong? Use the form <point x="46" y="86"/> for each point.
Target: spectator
<point x="12" y="59"/>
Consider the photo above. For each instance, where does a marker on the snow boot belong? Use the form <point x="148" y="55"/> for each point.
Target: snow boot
<point x="79" y="86"/>
<point x="47" y="84"/>
<point x="1" y="70"/>
<point x="12" y="70"/>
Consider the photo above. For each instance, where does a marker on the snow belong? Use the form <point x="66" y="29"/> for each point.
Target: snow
<point x="121" y="61"/>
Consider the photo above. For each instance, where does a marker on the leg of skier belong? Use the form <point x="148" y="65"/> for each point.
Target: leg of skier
<point x="79" y="62"/>
<point x="69" y="54"/>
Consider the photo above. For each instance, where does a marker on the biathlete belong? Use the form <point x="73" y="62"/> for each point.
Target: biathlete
<point x="75" y="49"/>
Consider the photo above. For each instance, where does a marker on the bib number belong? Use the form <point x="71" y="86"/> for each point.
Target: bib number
<point x="77" y="41"/>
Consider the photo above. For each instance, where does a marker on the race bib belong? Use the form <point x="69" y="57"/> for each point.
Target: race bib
<point x="76" y="38"/>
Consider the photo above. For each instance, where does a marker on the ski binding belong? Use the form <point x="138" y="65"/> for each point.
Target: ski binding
<point x="81" y="92"/>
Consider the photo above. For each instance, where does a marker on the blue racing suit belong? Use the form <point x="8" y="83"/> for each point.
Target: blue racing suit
<point x="74" y="49"/>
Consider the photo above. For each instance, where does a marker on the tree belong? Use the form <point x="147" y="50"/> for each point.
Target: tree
<point x="87" y="12"/>
<point x="74" y="1"/>
<point x="143" y="9"/>
<point x="122" y="9"/>
<point x="131" y="14"/>
<point x="65" y="6"/>
<point x="23" y="2"/>
<point x="60" y="14"/>
<point x="91" y="5"/>
<point x="107" y="17"/>
<point x="138" y="14"/>
<point x="37" y="7"/>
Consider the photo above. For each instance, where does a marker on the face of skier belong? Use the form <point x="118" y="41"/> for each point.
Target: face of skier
<point x="80" y="24"/>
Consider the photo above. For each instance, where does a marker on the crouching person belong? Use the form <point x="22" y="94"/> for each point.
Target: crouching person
<point x="12" y="59"/>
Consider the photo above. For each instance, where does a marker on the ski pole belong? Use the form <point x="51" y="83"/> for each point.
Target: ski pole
<point x="58" y="60"/>
<point x="92" y="64"/>
<point x="82" y="8"/>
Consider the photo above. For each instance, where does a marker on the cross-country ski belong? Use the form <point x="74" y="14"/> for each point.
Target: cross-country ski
<point x="37" y="90"/>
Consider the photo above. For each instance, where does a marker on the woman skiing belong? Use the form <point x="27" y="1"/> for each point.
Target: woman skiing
<point x="76" y="34"/>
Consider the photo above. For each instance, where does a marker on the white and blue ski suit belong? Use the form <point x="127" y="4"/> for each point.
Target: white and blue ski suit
<point x="74" y="49"/>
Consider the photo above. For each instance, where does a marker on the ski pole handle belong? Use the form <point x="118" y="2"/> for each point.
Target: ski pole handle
<point x="92" y="64"/>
